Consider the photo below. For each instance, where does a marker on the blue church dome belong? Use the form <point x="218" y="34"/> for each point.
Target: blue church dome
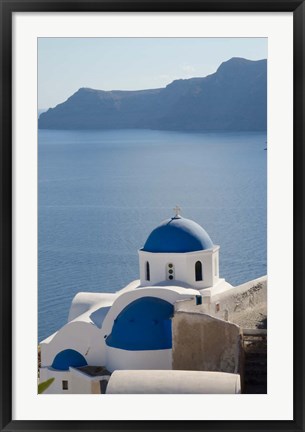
<point x="144" y="324"/>
<point x="178" y="235"/>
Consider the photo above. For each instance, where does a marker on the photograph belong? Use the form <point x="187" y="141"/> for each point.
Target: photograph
<point x="152" y="211"/>
<point x="152" y="215"/>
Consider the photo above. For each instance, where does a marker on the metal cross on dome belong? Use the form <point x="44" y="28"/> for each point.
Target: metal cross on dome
<point x="177" y="210"/>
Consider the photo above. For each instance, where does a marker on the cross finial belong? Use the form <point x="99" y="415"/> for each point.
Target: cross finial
<point x="177" y="210"/>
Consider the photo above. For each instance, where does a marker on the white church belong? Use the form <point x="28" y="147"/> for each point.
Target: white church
<point x="132" y="328"/>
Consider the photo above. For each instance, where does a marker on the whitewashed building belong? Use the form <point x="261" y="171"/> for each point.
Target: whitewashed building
<point x="131" y="329"/>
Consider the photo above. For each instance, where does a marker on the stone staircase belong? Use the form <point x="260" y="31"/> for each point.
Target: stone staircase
<point x="255" y="356"/>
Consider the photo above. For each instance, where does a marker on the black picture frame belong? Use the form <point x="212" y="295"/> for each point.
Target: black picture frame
<point x="8" y="7"/>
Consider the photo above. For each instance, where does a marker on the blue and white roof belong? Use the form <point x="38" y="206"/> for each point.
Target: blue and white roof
<point x="178" y="235"/>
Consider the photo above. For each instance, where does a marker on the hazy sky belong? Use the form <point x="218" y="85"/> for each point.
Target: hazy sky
<point x="66" y="64"/>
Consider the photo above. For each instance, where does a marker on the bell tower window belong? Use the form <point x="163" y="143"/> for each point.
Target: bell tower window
<point x="147" y="270"/>
<point x="170" y="271"/>
<point x="198" y="271"/>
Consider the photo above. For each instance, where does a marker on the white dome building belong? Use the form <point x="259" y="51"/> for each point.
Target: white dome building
<point x="131" y="329"/>
<point x="179" y="250"/>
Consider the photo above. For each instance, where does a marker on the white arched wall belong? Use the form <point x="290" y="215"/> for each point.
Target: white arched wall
<point x="83" y="337"/>
<point x="184" y="267"/>
<point x="85" y="301"/>
<point x="89" y="340"/>
<point x="146" y="359"/>
<point x="170" y="294"/>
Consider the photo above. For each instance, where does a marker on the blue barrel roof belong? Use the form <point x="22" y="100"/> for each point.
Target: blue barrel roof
<point x="69" y="357"/>
<point x="144" y="324"/>
<point x="178" y="235"/>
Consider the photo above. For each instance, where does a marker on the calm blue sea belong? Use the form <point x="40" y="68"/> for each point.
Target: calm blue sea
<point x="102" y="192"/>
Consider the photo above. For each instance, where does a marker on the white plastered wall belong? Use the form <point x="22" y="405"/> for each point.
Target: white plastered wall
<point x="83" y="337"/>
<point x="77" y="384"/>
<point x="122" y="359"/>
<point x="183" y="266"/>
<point x="84" y="301"/>
<point x="59" y="377"/>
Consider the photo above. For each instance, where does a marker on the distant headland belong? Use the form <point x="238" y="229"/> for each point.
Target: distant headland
<point x="234" y="98"/>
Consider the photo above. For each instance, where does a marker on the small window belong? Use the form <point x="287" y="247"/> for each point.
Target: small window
<point x="65" y="385"/>
<point x="198" y="271"/>
<point x="215" y="267"/>
<point x="147" y="271"/>
<point x="170" y="271"/>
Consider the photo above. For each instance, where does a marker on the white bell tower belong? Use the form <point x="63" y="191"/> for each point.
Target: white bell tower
<point x="179" y="251"/>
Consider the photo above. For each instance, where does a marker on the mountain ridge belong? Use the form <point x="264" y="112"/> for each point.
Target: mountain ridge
<point x="234" y="98"/>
